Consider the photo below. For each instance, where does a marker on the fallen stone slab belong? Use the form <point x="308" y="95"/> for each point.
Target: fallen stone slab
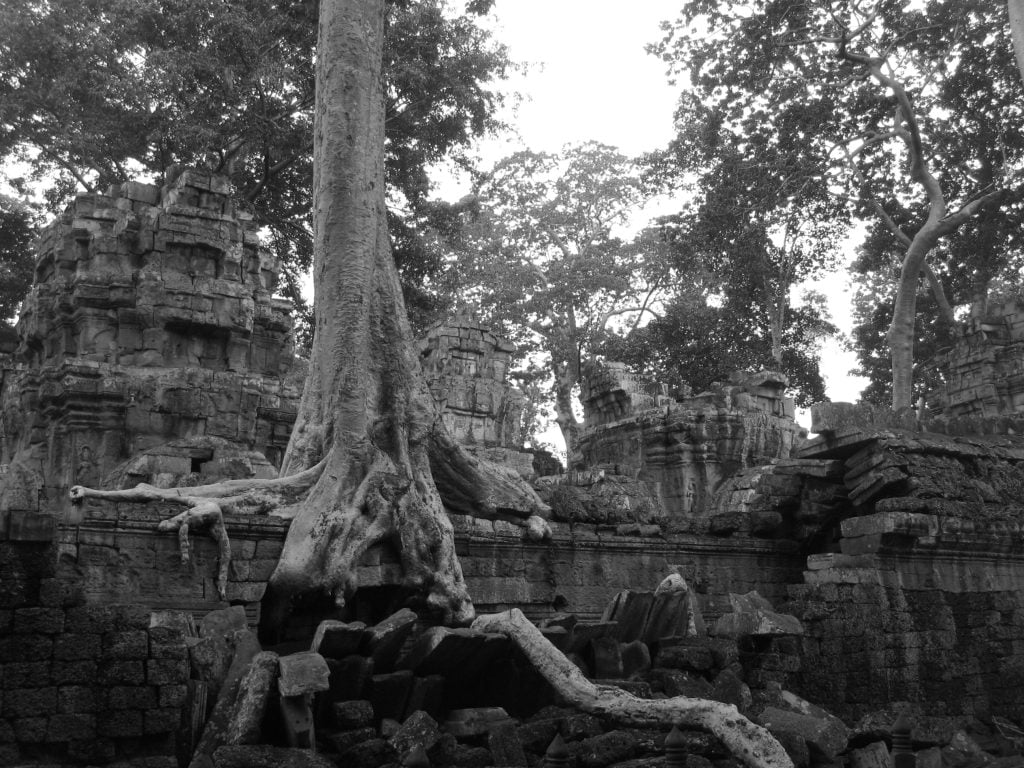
<point x="383" y="642"/>
<point x="752" y="615"/>
<point x="246" y="723"/>
<point x="223" y="621"/>
<point x="338" y="639"/>
<point x="629" y="609"/>
<point x="825" y="737"/>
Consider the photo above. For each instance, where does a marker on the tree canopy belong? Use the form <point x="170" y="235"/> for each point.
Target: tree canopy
<point x="911" y="114"/>
<point x="96" y="92"/>
<point x="545" y="259"/>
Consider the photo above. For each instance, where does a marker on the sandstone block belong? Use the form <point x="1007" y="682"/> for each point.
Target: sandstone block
<point x="246" y="723"/>
<point x="390" y="692"/>
<point x="384" y="640"/>
<point x="350" y="715"/>
<point x="418" y="730"/>
<point x="337" y="639"/>
<point x="826" y="737"/>
<point x="302" y="673"/>
<point x="504" y="746"/>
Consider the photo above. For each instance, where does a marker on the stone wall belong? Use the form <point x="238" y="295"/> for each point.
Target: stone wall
<point x="152" y="330"/>
<point x="984" y="371"/>
<point x="931" y="618"/>
<point x="85" y="683"/>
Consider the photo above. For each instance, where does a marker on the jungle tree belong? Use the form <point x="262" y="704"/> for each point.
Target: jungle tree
<point x="881" y="74"/>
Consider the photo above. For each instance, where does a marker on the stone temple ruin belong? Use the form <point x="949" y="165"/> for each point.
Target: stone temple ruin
<point x="823" y="586"/>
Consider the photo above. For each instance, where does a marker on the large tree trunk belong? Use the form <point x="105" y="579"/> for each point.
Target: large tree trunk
<point x="366" y="411"/>
<point x="566" y="378"/>
<point x="365" y="406"/>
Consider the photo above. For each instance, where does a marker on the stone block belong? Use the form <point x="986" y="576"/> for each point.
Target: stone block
<point x="418" y="731"/>
<point x="368" y="754"/>
<point x="605" y="658"/>
<point x="161" y="720"/>
<point x="75" y="646"/>
<point x="121" y="673"/>
<point x="246" y="724"/>
<point x="131" y="697"/>
<point x="223" y="622"/>
<point x="71" y="727"/>
<point x="350" y="715"/>
<point x="26" y="648"/>
<point x="25" y="674"/>
<point x="120" y="724"/>
<point x="349" y="678"/>
<point x="80" y="699"/>
<point x="74" y="672"/>
<point x="133" y="644"/>
<point x="302" y="673"/>
<point x="390" y="692"/>
<point x="689" y="654"/>
<point x="297" y="718"/>
<point x="337" y="639"/>
<point x="42" y="621"/>
<point x="636" y="658"/>
<point x="475" y="721"/>
<point x="30" y="730"/>
<point x="427" y="695"/>
<point x="29" y="702"/>
<point x="504" y="745"/>
<point x="167" y="671"/>
<point x="826" y="737"/>
<point x="384" y="640"/>
<point x="874" y="755"/>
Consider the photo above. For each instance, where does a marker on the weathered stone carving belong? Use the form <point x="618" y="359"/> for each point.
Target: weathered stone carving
<point x="151" y="321"/>
<point x="684" y="449"/>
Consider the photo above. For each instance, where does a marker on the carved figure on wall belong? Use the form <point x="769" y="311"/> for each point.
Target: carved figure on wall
<point x="85" y="472"/>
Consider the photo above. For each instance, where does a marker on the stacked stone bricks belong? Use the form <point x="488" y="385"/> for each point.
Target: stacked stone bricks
<point x="90" y="683"/>
<point x="466" y="367"/>
<point x="984" y="372"/>
<point x="152" y="318"/>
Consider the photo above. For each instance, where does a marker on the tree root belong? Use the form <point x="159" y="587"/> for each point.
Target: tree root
<point x="748" y="742"/>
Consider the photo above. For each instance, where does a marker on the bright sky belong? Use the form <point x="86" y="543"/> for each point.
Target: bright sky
<point x="592" y="79"/>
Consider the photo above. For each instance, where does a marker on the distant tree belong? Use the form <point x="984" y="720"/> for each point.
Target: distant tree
<point x="97" y="91"/>
<point x="917" y="118"/>
<point x="544" y="261"/>
<point x="715" y="323"/>
<point x="16" y="258"/>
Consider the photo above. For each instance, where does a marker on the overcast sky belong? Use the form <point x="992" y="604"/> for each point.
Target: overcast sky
<point x="592" y="79"/>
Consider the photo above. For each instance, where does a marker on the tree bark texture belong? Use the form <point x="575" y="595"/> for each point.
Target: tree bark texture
<point x="365" y="407"/>
<point x="366" y="410"/>
<point x="750" y="743"/>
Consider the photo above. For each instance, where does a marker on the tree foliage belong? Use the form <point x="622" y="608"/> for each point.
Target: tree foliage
<point x="544" y="260"/>
<point x="913" y="113"/>
<point x="95" y="92"/>
<point x="16" y="264"/>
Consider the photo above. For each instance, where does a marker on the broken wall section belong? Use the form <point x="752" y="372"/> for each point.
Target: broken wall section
<point x="684" y="450"/>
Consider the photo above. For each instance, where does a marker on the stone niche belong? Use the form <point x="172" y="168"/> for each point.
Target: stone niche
<point x="684" y="449"/>
<point x="150" y="348"/>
